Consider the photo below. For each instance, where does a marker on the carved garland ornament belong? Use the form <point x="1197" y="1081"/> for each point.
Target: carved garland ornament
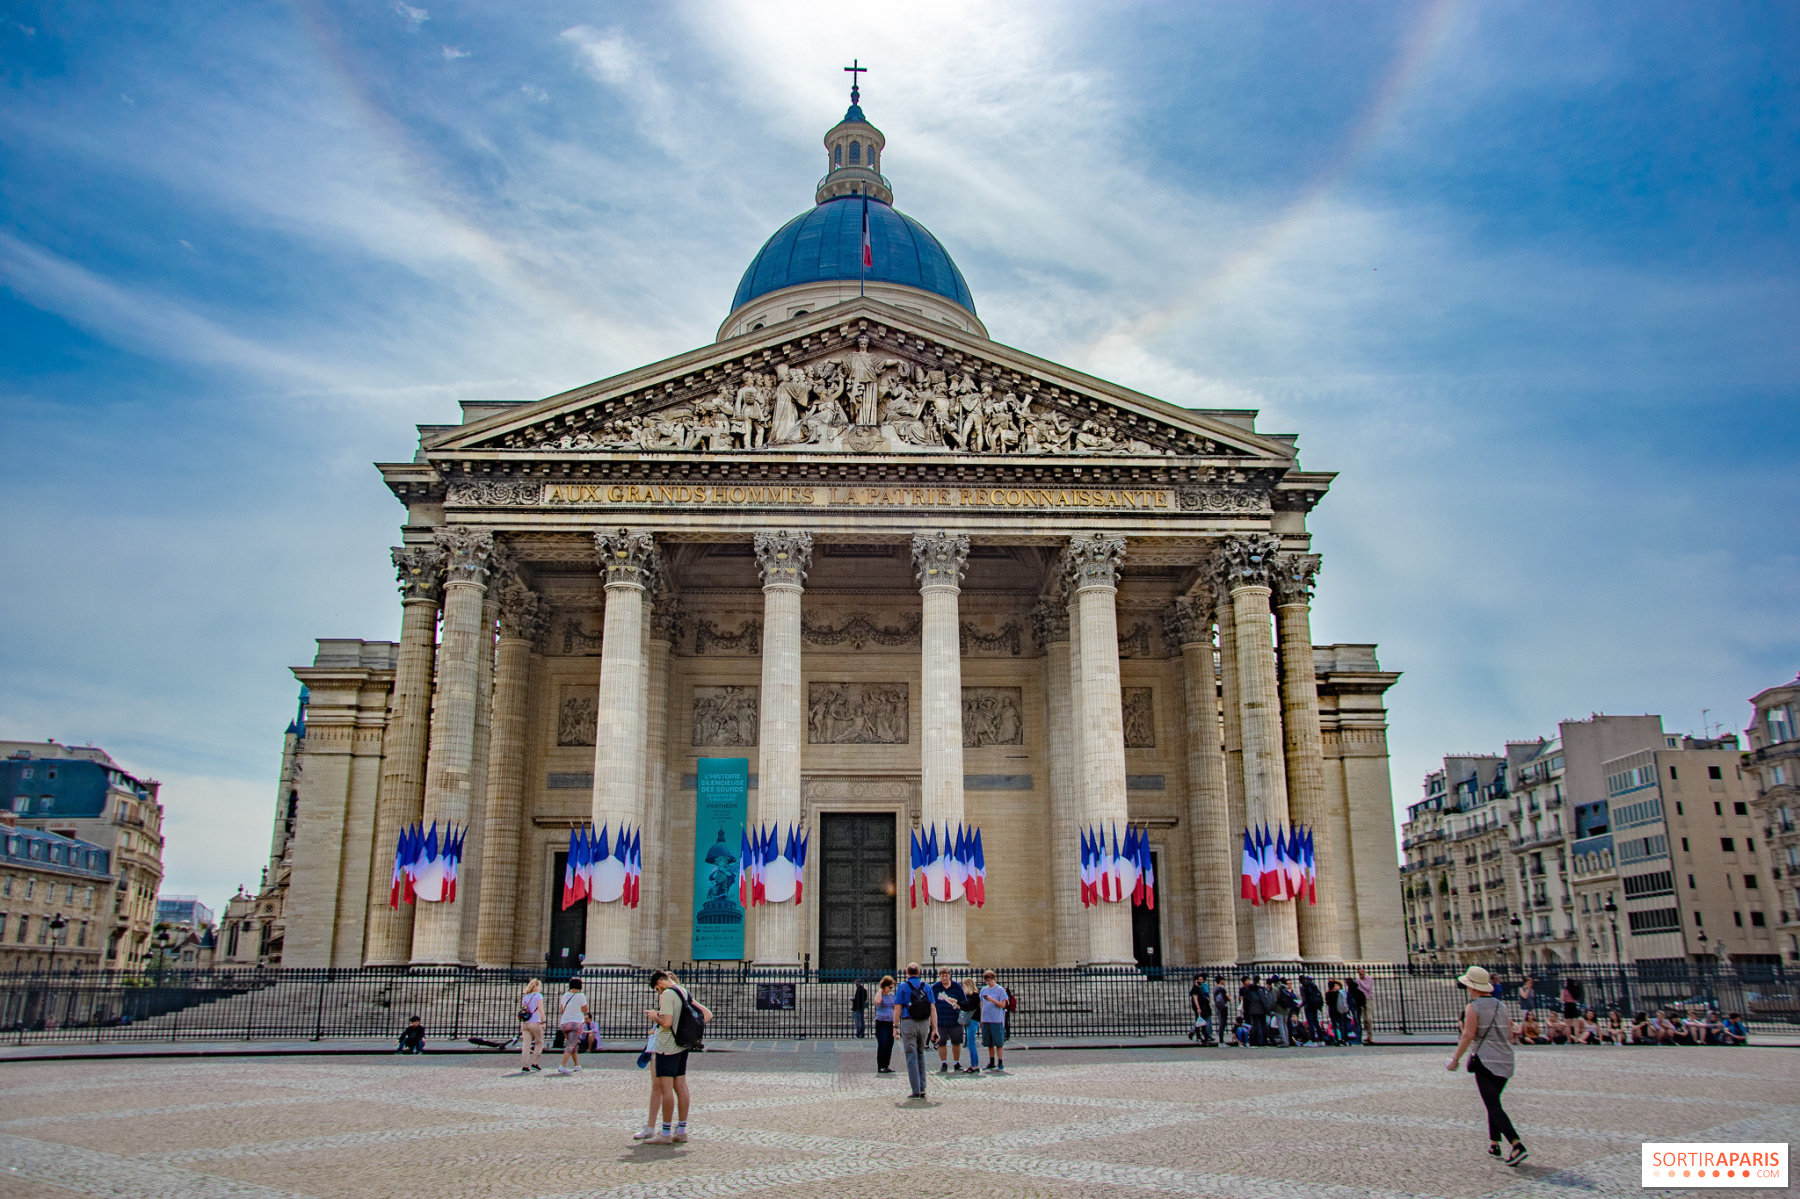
<point x="1009" y="637"/>
<point x="859" y="630"/>
<point x="493" y="493"/>
<point x="1223" y="500"/>
<point x="747" y="640"/>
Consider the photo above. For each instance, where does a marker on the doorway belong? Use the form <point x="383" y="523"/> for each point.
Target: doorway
<point x="1146" y="930"/>
<point x="857" y="894"/>
<point x="568" y="926"/>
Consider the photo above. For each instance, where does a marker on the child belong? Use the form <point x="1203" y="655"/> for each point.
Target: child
<point x="413" y="1039"/>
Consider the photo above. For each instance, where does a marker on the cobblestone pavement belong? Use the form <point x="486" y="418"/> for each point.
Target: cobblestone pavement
<point x="1294" y="1124"/>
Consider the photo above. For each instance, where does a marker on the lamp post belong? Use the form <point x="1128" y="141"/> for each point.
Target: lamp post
<point x="1518" y="940"/>
<point x="57" y="925"/>
<point x="1612" y="915"/>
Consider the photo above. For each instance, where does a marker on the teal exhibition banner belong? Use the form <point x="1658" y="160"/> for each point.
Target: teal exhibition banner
<point x="720" y="809"/>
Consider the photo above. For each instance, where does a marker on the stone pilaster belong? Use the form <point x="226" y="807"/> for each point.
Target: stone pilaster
<point x="783" y="556"/>
<point x="939" y="559"/>
<point x="1234" y="743"/>
<point x="629" y="564"/>
<point x="473" y="872"/>
<point x="522" y="616"/>
<point x="1216" y="859"/>
<point x="402" y="795"/>
<point x="1249" y="564"/>
<point x="1305" y="750"/>
<point x="1069" y="934"/>
<point x="653" y="915"/>
<point x="449" y="769"/>
<point x="1093" y="579"/>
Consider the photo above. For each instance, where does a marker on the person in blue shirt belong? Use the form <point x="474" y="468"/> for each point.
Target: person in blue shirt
<point x="918" y="1025"/>
<point x="1732" y="1031"/>
<point x="996" y="1001"/>
<point x="949" y="995"/>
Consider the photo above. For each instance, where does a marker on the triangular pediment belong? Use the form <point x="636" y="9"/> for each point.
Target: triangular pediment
<point x="862" y="377"/>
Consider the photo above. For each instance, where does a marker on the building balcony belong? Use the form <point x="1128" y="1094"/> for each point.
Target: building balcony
<point x="1533" y="842"/>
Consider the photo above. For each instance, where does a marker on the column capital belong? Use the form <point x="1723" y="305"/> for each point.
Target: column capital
<point x="783" y="556"/>
<point x="1247" y="561"/>
<point x="1295" y="576"/>
<point x="628" y="558"/>
<point x="1050" y="620"/>
<point x="665" y="617"/>
<point x="523" y="613"/>
<point x="468" y="555"/>
<point x="1189" y="621"/>
<point x="421" y="571"/>
<point x="1092" y="560"/>
<point x="939" y="559"/>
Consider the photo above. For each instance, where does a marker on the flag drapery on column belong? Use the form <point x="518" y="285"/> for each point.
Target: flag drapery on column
<point x="603" y="867"/>
<point x="425" y="866"/>
<point x="1117" y="868"/>
<point x="1279" y="867"/>
<point x="948" y="865"/>
<point x="772" y="865"/>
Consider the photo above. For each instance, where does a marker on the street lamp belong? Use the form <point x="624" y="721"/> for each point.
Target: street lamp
<point x="57" y="924"/>
<point x="1518" y="939"/>
<point x="1612" y="914"/>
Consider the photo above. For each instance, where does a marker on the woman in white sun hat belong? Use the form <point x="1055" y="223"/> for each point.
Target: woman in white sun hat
<point x="1487" y="1030"/>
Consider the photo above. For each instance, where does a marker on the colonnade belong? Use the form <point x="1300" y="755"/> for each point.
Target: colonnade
<point x="455" y="752"/>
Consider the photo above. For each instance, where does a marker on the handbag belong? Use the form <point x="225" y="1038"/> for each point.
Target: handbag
<point x="1481" y="1033"/>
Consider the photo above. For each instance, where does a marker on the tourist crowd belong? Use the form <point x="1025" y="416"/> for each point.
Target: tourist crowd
<point x="1277" y="1011"/>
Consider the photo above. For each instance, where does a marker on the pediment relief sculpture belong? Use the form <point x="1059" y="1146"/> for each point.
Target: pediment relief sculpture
<point x="867" y="399"/>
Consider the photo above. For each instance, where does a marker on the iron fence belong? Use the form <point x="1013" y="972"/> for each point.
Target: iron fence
<point x="752" y="1004"/>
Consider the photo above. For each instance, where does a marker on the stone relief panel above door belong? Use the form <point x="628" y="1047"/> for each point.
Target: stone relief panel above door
<point x="725" y="716"/>
<point x="577" y="715"/>
<point x="1140" y="717"/>
<point x="992" y="716"/>
<point x="857" y="714"/>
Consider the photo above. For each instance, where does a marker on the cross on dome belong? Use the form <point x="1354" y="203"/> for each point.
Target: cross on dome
<point x="855" y="71"/>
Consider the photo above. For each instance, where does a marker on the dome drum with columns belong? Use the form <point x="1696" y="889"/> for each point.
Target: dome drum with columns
<point x="916" y="578"/>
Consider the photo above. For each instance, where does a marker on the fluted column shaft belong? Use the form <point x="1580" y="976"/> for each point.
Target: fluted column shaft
<point x="1068" y="939"/>
<point x="1215" y="865"/>
<point x="939" y="559"/>
<point x="1093" y="578"/>
<point x="1307" y="800"/>
<point x="473" y="872"/>
<point x="503" y="822"/>
<point x="1249" y="559"/>
<point x="653" y="923"/>
<point x="783" y="556"/>
<point x="628" y="562"/>
<point x="401" y="797"/>
<point x="449" y="769"/>
<point x="1234" y="755"/>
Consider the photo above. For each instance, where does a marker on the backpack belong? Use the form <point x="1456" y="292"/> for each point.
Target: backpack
<point x="919" y="1001"/>
<point x="690" y="1025"/>
<point x="1309" y="994"/>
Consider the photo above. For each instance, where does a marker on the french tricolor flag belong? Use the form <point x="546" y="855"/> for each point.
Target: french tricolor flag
<point x="868" y="250"/>
<point x="912" y="871"/>
<point x="977" y="871"/>
<point x="1271" y="869"/>
<point x="744" y="871"/>
<point x="1146" y="874"/>
<point x="1251" y="885"/>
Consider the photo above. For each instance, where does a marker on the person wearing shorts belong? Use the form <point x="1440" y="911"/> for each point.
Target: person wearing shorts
<point x="668" y="1083"/>
<point x="948" y="995"/>
<point x="572" y="1020"/>
<point x="994" y="999"/>
<point x="531" y="1027"/>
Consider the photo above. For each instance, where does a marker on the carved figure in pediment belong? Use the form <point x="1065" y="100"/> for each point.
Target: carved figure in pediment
<point x="791" y="390"/>
<point x="971" y="430"/>
<point x="908" y="418"/>
<point x="1048" y="433"/>
<point x="863" y="372"/>
<point x="1000" y="414"/>
<point x="750" y="422"/>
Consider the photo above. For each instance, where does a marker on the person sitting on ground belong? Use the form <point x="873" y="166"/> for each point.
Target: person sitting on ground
<point x="1662" y="1029"/>
<point x="1556" y="1030"/>
<point x="1242" y="1030"/>
<point x="412" y="1040"/>
<point x="1590" y="1028"/>
<point x="1732" y="1030"/>
<point x="1640" y="1029"/>
<point x="1530" y="1031"/>
<point x="1614" y="1030"/>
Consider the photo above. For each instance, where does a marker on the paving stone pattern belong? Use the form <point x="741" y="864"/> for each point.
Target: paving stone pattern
<point x="1380" y="1123"/>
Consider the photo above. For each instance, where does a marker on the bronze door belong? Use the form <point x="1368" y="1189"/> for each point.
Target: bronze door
<point x="857" y="895"/>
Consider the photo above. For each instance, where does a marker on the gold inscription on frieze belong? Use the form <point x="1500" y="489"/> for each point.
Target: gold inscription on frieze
<point x="657" y="495"/>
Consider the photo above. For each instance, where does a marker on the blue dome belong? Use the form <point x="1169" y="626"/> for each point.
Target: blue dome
<point x="825" y="243"/>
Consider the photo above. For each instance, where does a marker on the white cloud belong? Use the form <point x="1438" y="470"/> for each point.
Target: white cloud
<point x="414" y="17"/>
<point x="455" y="52"/>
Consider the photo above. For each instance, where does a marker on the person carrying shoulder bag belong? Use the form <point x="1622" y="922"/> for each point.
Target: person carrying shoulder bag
<point x="531" y="1027"/>
<point x="1487" y="1039"/>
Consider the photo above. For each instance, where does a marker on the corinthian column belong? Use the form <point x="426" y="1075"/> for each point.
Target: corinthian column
<point x="1234" y="740"/>
<point x="401" y="797"/>
<point x="521" y="619"/>
<point x="1307" y="802"/>
<point x="1068" y="943"/>
<point x="449" y="770"/>
<point x="653" y="923"/>
<point x="1216" y="864"/>
<point x="474" y="861"/>
<point x="939" y="559"/>
<point x="629" y="563"/>
<point x="1249" y="564"/>
<point x="1093" y="579"/>
<point x="783" y="556"/>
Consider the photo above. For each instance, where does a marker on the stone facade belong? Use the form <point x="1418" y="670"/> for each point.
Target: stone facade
<point x="1772" y="763"/>
<point x="909" y="573"/>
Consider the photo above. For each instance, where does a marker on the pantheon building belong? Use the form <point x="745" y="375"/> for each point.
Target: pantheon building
<point x="916" y="578"/>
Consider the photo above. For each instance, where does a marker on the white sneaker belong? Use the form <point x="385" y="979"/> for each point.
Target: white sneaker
<point x="564" y="1070"/>
<point x="643" y="1134"/>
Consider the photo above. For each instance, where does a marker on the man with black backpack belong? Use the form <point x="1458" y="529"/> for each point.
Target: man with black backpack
<point x="1253" y="1002"/>
<point x="680" y="1028"/>
<point x="918" y="1025"/>
<point x="1313" y="1001"/>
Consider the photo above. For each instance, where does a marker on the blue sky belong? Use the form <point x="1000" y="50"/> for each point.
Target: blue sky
<point x="1524" y="273"/>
